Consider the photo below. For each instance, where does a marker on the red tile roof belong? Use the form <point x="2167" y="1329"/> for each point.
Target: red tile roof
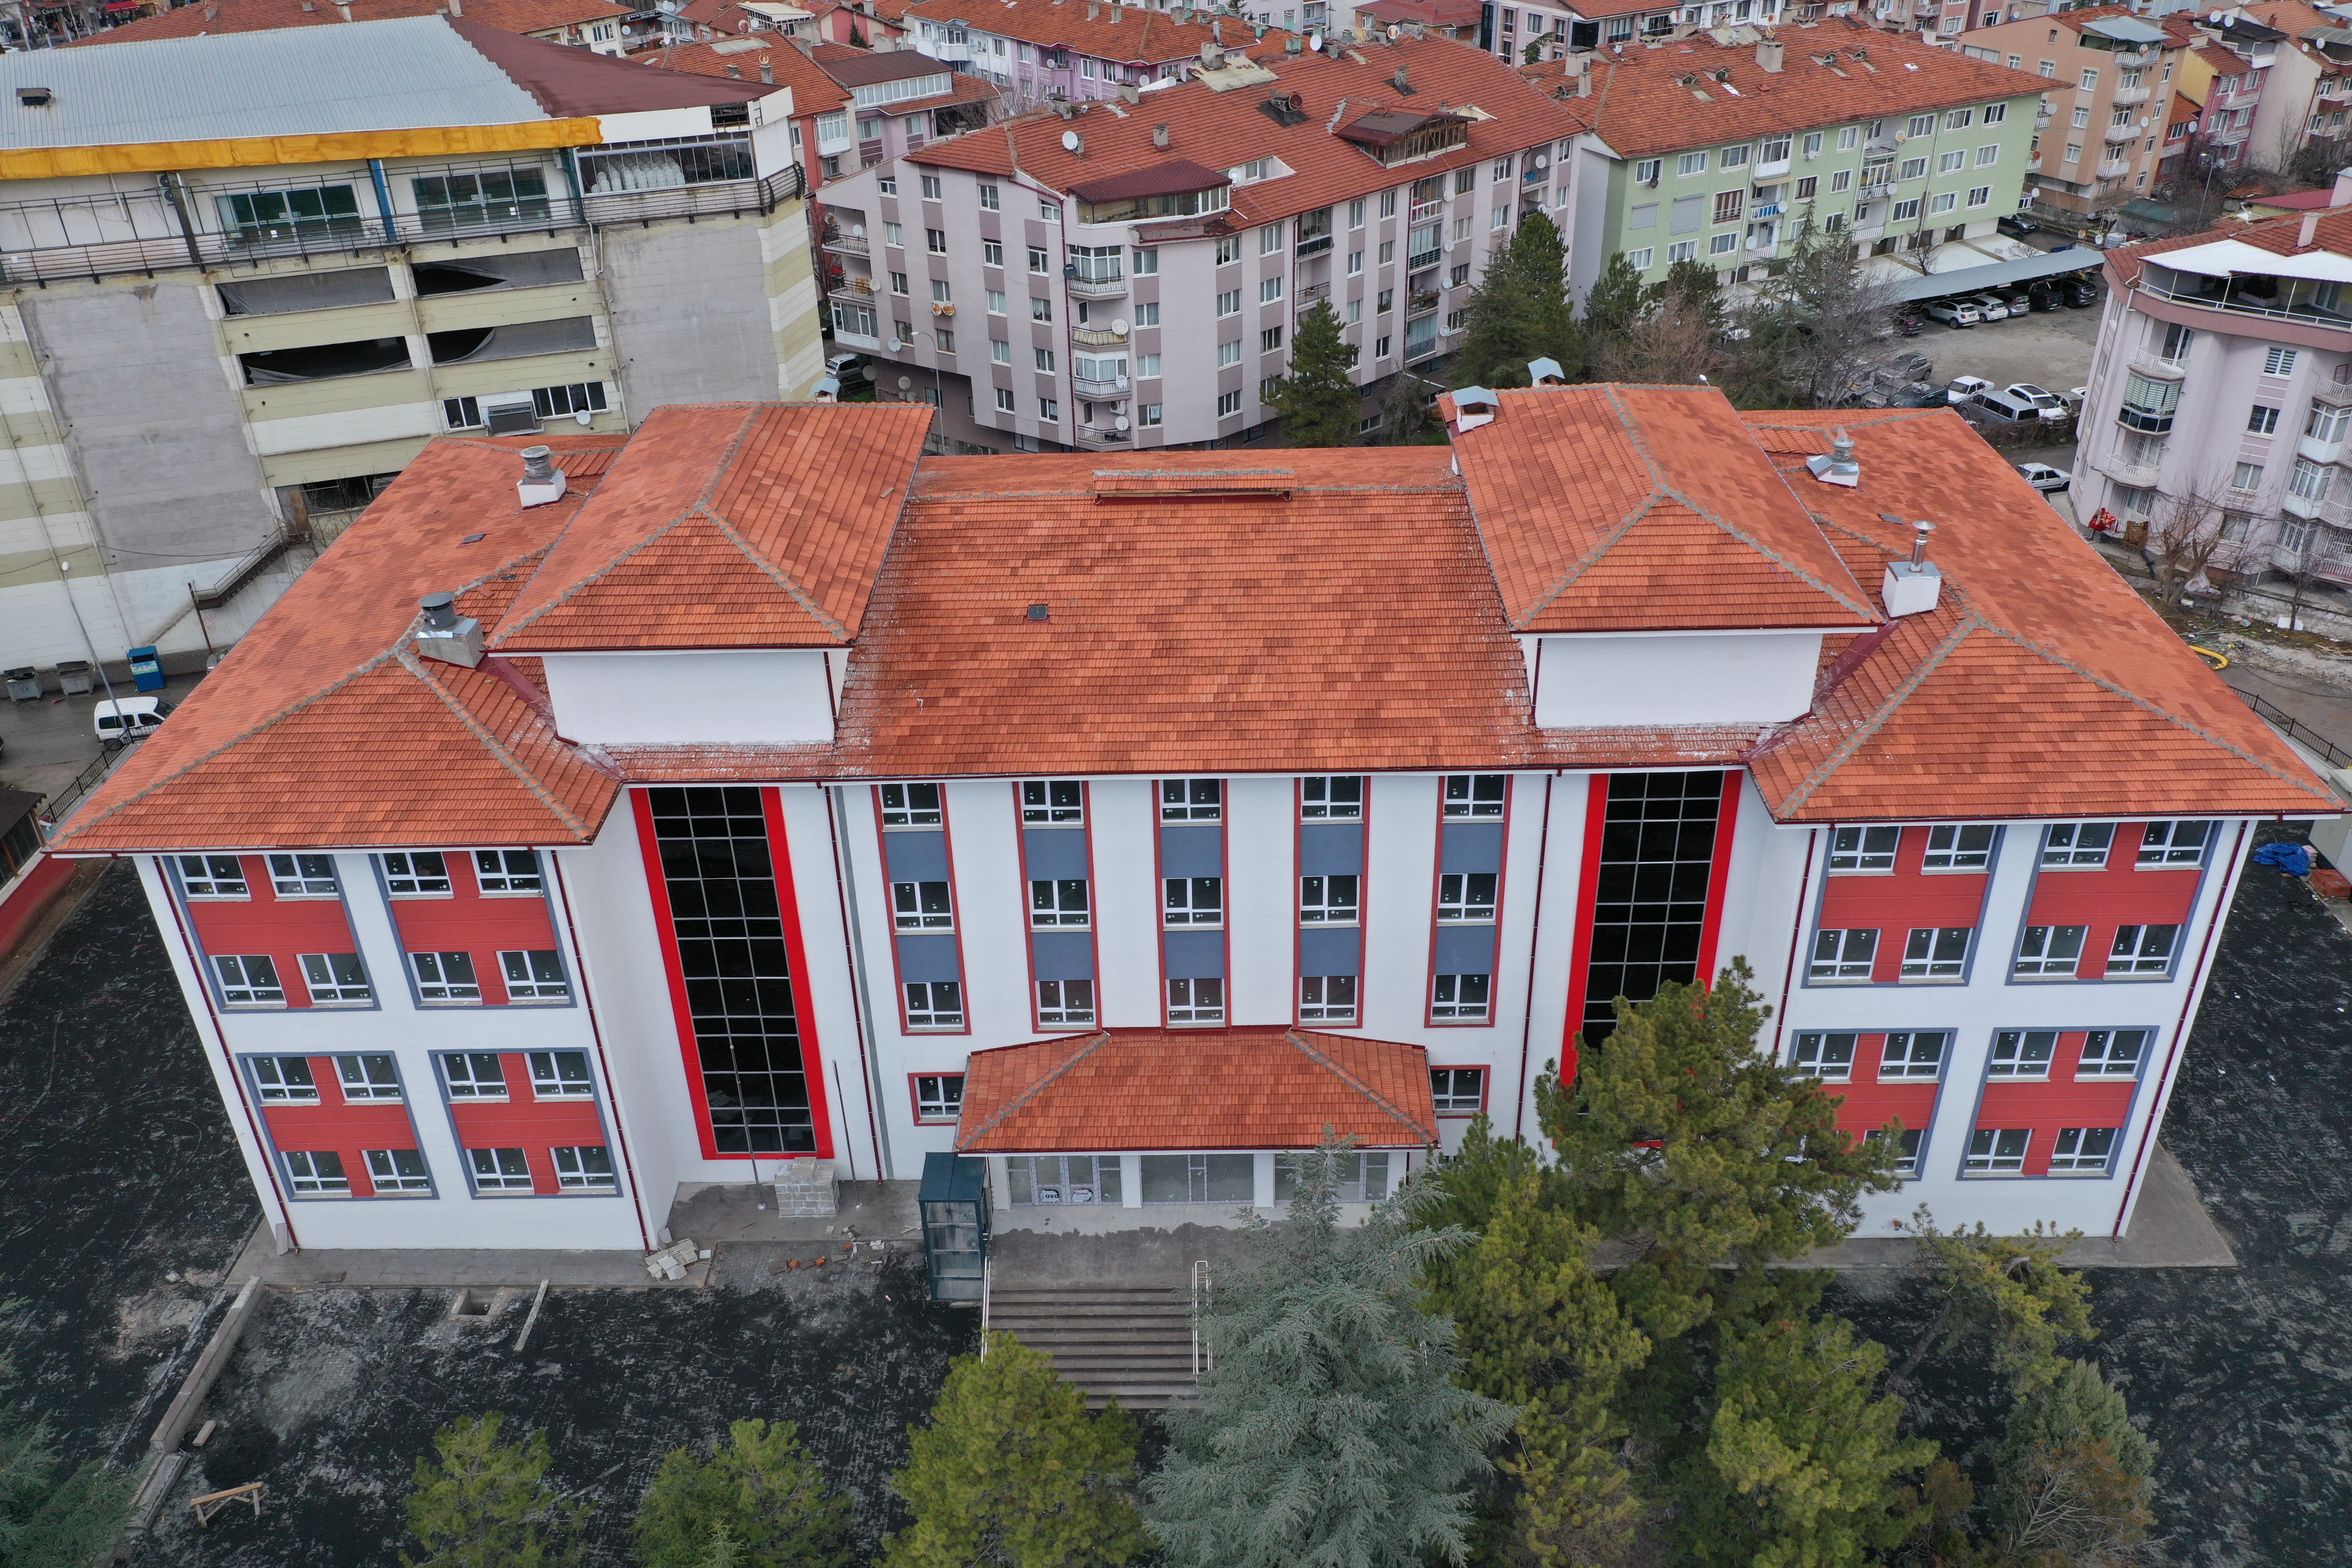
<point x="569" y="81"/>
<point x="215" y="16"/>
<point x="1128" y="1090"/>
<point x="1136" y="34"/>
<point x="814" y="92"/>
<point x="1645" y="508"/>
<point x="727" y="525"/>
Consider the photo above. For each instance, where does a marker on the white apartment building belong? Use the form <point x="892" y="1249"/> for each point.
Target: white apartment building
<point x="1043" y="51"/>
<point x="1130" y="274"/>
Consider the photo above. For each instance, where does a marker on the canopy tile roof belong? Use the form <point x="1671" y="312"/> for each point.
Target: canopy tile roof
<point x="1126" y="1089"/>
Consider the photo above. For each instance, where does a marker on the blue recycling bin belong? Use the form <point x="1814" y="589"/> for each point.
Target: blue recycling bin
<point x="146" y="670"/>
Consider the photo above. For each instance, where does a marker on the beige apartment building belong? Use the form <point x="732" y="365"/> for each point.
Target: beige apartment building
<point x="2105" y="115"/>
<point x="228" y="320"/>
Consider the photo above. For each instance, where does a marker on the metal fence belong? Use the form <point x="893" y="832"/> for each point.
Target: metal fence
<point x="60" y="805"/>
<point x="2286" y="723"/>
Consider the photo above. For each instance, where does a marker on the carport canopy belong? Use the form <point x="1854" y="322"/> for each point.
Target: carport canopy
<point x="1997" y="275"/>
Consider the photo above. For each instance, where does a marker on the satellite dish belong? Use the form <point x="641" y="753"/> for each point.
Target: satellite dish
<point x="1120" y="326"/>
<point x="1119" y="423"/>
<point x="903" y="384"/>
<point x="858" y="231"/>
<point x="1070" y="142"/>
<point x="1314" y="42"/>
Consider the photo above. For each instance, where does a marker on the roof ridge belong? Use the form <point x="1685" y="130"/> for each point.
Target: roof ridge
<point x="1591" y="558"/>
<point x="781" y="578"/>
<point x="598" y="575"/>
<point x="410" y="661"/>
<point x="1876" y="719"/>
<point x="1428" y="1135"/>
<point x="964" y="1139"/>
<point x="1766" y="551"/>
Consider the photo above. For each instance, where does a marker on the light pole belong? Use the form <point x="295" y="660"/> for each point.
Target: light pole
<point x="65" y="571"/>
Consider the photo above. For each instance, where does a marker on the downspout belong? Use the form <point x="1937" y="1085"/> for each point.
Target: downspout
<point x="570" y="160"/>
<point x="173" y="193"/>
<point x="846" y="879"/>
<point x="1528" y="1021"/>
<point x="1796" y="936"/>
<point x="604" y="1064"/>
<point x="383" y="201"/>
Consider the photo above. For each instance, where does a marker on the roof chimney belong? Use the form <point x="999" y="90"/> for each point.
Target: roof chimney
<point x="2310" y="227"/>
<point x="447" y="636"/>
<point x="1546" y="371"/>
<point x="767" y="71"/>
<point x="1837" y="466"/>
<point x="344" y="9"/>
<point x="1159" y="136"/>
<point x="1399" y="81"/>
<point x="1474" y="406"/>
<point x="542" y="481"/>
<point x="1768" y="56"/>
<point x="457" y="7"/>
<point x="828" y="390"/>
<point x="1912" y="587"/>
<point x="1094" y="10"/>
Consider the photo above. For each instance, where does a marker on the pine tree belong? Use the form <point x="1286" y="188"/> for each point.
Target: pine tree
<point x="1519" y="311"/>
<point x="2075" y="1404"/>
<point x="48" y="1520"/>
<point x="760" y="1490"/>
<point x="1330" y="1431"/>
<point x="487" y="1504"/>
<point x="1615" y="301"/>
<point x="1680" y="1135"/>
<point x="1012" y="1472"/>
<point x="2007" y="1291"/>
<point x="1318" y="400"/>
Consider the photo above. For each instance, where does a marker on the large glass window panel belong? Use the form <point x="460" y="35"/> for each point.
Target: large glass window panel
<point x="1657" y="852"/>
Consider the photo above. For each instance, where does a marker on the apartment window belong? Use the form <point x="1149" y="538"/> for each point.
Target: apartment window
<point x="2142" y="950"/>
<point x="560" y="1075"/>
<point x="1458" y="1091"/>
<point x="2090" y="81"/>
<point x="1691" y="164"/>
<point x="1849" y="137"/>
<point x="2279" y="362"/>
<point x="1841" y="182"/>
<point x="1053" y="802"/>
<point x="1473" y="794"/>
<point x="1905" y="211"/>
<point x="499" y="1170"/>
<point x="1058" y="903"/>
<point x="1640" y="260"/>
<point x="920" y="906"/>
<point x="474" y="1076"/>
<point x="1944" y="201"/>
<point x="1682" y="250"/>
<point x="1913" y="169"/>
<point x="2175" y="843"/>
<point x="1229" y="302"/>
<point x="285" y="1079"/>
<point x="1906" y="1156"/>
<point x="938" y="1096"/>
<point x="893" y="235"/>
<point x="930" y="187"/>
<point x="583" y="1168"/>
<point x="1807" y="186"/>
<point x="1328" y="901"/>
<point x="501" y="871"/>
<point x="2084" y="1149"/>
<point x="2246" y="477"/>
<point x="1228" y="404"/>
<point x="446" y="977"/>
<point x="368" y="1077"/>
<point x="1229" y="250"/>
<point x="1192" y="901"/>
<point x="1327" y="999"/>
<point x="2113" y="1053"/>
<point x="2053" y="951"/>
<point x="934" y="1005"/>
<point x="1331" y="797"/>
<point x="1152" y="411"/>
<point x="1147" y="314"/>
<point x="1948" y="162"/>
<point x="398" y="1170"/>
<point x="1729" y="204"/>
<point x="2047" y="68"/>
<point x="1958" y="849"/>
<point x="249" y="980"/>
<point x="1195" y="1001"/>
<point x="2077" y="843"/>
<point x="2022" y="1053"/>
<point x="416" y="873"/>
<point x="1864" y="849"/>
<point x="213" y="877"/>
<point x="1460" y="998"/>
<point x="1467" y="897"/>
<point x="2002" y="1148"/>
<point x="534" y="975"/>
<point x="1844" y="954"/>
<point x="988" y="197"/>
<point x="1829" y="1058"/>
<point x="1192" y="800"/>
<point x="1995" y="114"/>
<point x="314" y="1172"/>
<point x="332" y="977"/>
<point x="302" y="876"/>
<point x="910" y="805"/>
<point x="1147" y="261"/>
<point x="1937" y="952"/>
<point x="1269" y="341"/>
<point x="1913" y="1053"/>
<point x="1005" y="400"/>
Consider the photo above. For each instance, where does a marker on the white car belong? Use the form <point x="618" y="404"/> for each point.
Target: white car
<point x="2052" y="406"/>
<point x="1955" y="314"/>
<point x="124" y="720"/>
<point x="1964" y="388"/>
<point x="1992" y="307"/>
<point x="2043" y="476"/>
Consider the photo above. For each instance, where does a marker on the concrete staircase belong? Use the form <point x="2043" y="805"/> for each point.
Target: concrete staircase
<point x="1129" y="1342"/>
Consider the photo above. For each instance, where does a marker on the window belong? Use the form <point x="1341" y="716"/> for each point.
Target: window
<point x="1915" y="1053"/>
<point x="2090" y="81"/>
<point x="1841" y="182"/>
<point x="1053" y="802"/>
<point x="1196" y="1001"/>
<point x="1729" y="204"/>
<point x="1193" y="902"/>
<point x="1906" y="1157"/>
<point x="213" y="877"/>
<point x="2246" y="477"/>
<point x="2050" y="950"/>
<point x="1355" y="1178"/>
<point x="2083" y="1150"/>
<point x="2076" y="843"/>
<point x="1844" y="954"/>
<point x="1640" y="260"/>
<point x="249" y="981"/>
<point x="1458" y="1091"/>
<point x="1682" y="250"/>
<point x="1152" y="411"/>
<point x="1948" y="162"/>
<point x="332" y="977"/>
<point x="2175" y="843"/>
<point x="1003" y="399"/>
<point x="1194" y="1178"/>
<point x="1058" y="904"/>
<point x="930" y="187"/>
<point x="1328" y="901"/>
<point x="910" y="805"/>
<point x="368" y="1077"/>
<point x="2003" y="1149"/>
<point x="534" y="975"/>
<point x="1192" y="800"/>
<point x="1473" y="794"/>
<point x="1466" y="896"/>
<point x="398" y="1170"/>
<point x="1937" y="952"/>
<point x="316" y="1171"/>
<point x="2279" y="362"/>
<point x="934" y="1005"/>
<point x="1041" y="310"/>
<point x="942" y="290"/>
<point x="301" y="876"/>
<point x="499" y="1170"/>
<point x="938" y="1096"/>
<point x="1849" y="138"/>
<point x="1826" y="1056"/>
<point x="416" y="873"/>
<point x="1864" y="849"/>
<point x="1229" y="404"/>
<point x="1270" y="340"/>
<point x="920" y="906"/>
<point x="560" y="1075"/>
<point x="474" y="1076"/>
<point x="1958" y="849"/>
<point x="1944" y="201"/>
<point x="1995" y="114"/>
<point x="1462" y="998"/>
<point x="1808" y="186"/>
<point x="446" y="977"/>
<point x="1691" y="164"/>
<point x="988" y="197"/>
<point x="2142" y="950"/>
<point x="1913" y="169"/>
<point x="1332" y="798"/>
<point x="1045" y="358"/>
<point x="285" y="1079"/>
<point x="1327" y="999"/>
<point x="1905" y="211"/>
<point x="1229" y="250"/>
<point x="1066" y="1002"/>
<point x="893" y="235"/>
<point x="587" y="1168"/>
<point x="507" y="870"/>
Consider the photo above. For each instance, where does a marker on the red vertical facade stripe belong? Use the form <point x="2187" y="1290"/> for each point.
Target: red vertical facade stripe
<point x="1587" y="883"/>
<point x="1726" y="822"/>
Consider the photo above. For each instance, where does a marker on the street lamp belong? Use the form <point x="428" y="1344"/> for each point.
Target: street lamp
<point x="65" y="570"/>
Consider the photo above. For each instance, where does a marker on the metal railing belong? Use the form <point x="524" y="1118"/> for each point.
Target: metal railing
<point x="60" y="805"/>
<point x="2286" y="723"/>
<point x="1199" y="1288"/>
<point x="2238" y="304"/>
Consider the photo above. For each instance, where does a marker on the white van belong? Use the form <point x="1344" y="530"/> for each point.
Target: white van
<point x="120" y="721"/>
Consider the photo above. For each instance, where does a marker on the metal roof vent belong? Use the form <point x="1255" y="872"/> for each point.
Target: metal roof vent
<point x="828" y="390"/>
<point x="542" y="481"/>
<point x="446" y="635"/>
<point x="1040" y="612"/>
<point x="1913" y="587"/>
<point x="33" y="97"/>
<point x="1837" y="467"/>
<point x="1546" y="371"/>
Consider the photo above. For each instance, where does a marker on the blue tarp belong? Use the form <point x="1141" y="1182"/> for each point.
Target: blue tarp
<point x="2294" y="860"/>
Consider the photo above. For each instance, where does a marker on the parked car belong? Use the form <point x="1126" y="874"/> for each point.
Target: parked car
<point x="1992" y="307"/>
<point x="2073" y="396"/>
<point x="1965" y="388"/>
<point x="2017" y="228"/>
<point x="2019" y="299"/>
<point x="2043" y="476"/>
<point x="1955" y="314"/>
<point x="1907" y="321"/>
<point x="123" y="719"/>
<point x="2052" y="406"/>
<point x="839" y="365"/>
<point x="2078" y="292"/>
<point x="2042" y="295"/>
<point x="2008" y="410"/>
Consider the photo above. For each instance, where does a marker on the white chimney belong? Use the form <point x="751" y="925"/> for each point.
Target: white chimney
<point x="1912" y="587"/>
<point x="2342" y="195"/>
<point x="1768" y="55"/>
<point x="447" y="636"/>
<point x="542" y="481"/>
<point x="2310" y="227"/>
<point x="1474" y="406"/>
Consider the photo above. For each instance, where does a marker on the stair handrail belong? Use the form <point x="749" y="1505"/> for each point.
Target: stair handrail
<point x="1199" y="1283"/>
<point x="987" y="1276"/>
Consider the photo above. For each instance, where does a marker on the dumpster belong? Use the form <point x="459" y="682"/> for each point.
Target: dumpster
<point x="73" y="677"/>
<point x="954" y="1200"/>
<point x="24" y="685"/>
<point x="146" y="670"/>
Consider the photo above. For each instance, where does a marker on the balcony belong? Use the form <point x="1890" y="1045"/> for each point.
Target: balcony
<point x="2156" y="367"/>
<point x="2124" y="470"/>
<point x="1101" y="435"/>
<point x="855" y="340"/>
<point x="1770" y="171"/>
<point x="1423" y="211"/>
<point x="952" y="54"/>
<point x="2248" y="294"/>
<point x="2125" y="96"/>
<point x="2303" y="506"/>
<point x="1314" y="246"/>
<point x="847" y="243"/>
<point x="1312" y="295"/>
<point x="856" y="291"/>
<point x="1097" y="337"/>
<point x="1421" y="305"/>
<point x="1085" y="387"/>
<point x="2114" y="168"/>
<point x="1097" y="288"/>
<point x="2319" y="451"/>
<point x="2335" y="394"/>
<point x="1422" y="258"/>
<point x="2115" y="134"/>
<point x="2141" y="59"/>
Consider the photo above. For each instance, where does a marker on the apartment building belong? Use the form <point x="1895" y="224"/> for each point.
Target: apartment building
<point x="586" y="24"/>
<point x="2224" y="372"/>
<point x="1129" y="274"/>
<point x="1044" y="51"/>
<point x="1722" y="152"/>
<point x="2108" y="106"/>
<point x="2305" y="91"/>
<point x="233" y="315"/>
<point x="763" y="799"/>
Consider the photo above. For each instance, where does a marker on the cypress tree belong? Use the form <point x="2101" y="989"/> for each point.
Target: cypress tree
<point x="1318" y="401"/>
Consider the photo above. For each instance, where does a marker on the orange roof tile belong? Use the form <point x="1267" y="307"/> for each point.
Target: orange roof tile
<point x="726" y="525"/>
<point x="1645" y="508"/>
<point x="814" y="92"/>
<point x="214" y="17"/>
<point x="1193" y="1089"/>
<point x="1136" y="34"/>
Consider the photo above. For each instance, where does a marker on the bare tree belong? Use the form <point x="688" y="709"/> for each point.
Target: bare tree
<point x="1820" y="320"/>
<point x="2183" y="536"/>
<point x="1673" y="344"/>
<point x="2079" y="1509"/>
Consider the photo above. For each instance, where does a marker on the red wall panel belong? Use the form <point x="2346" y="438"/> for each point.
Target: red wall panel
<point x="1871" y="1105"/>
<point x="2118" y="893"/>
<point x="1894" y="903"/>
<point x="2058" y="1102"/>
<point x="527" y="1123"/>
<point x="264" y="922"/>
<point x="347" y="1128"/>
<point x="468" y="921"/>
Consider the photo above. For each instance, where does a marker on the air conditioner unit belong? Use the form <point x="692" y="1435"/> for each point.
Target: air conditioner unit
<point x="511" y="416"/>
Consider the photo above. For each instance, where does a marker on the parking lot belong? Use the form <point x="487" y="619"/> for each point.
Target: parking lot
<point x="2050" y="349"/>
